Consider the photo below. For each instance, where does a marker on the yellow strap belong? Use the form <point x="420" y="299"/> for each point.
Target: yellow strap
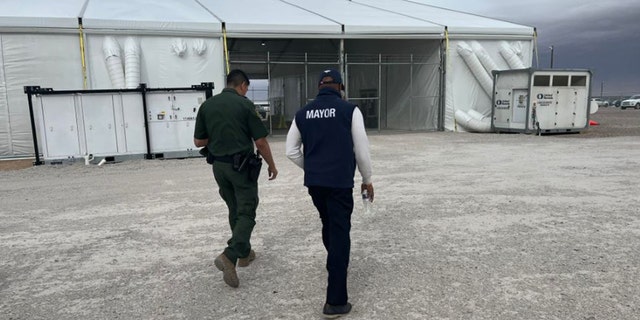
<point x="82" y="56"/>
<point x="446" y="41"/>
<point x="226" y="49"/>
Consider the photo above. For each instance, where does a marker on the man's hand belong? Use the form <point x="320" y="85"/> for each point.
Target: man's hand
<point x="273" y="172"/>
<point x="369" y="188"/>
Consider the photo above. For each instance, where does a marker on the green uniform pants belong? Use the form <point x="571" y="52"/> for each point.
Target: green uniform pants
<point x="241" y="196"/>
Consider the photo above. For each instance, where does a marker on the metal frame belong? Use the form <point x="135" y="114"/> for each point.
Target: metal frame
<point x="207" y="87"/>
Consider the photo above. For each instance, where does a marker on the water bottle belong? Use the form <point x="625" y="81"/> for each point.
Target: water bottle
<point x="366" y="203"/>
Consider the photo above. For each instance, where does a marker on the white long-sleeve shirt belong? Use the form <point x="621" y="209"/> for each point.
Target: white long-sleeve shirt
<point x="360" y="146"/>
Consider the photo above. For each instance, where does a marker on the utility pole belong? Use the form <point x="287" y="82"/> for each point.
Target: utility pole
<point x="601" y="88"/>
<point x="551" y="64"/>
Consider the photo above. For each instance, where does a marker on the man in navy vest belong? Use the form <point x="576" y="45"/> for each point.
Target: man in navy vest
<point x="334" y="139"/>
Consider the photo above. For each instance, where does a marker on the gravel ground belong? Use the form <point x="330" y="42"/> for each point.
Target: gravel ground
<point x="613" y="122"/>
<point x="466" y="226"/>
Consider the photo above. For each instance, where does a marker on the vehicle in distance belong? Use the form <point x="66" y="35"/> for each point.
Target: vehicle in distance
<point x="632" y="102"/>
<point x="600" y="102"/>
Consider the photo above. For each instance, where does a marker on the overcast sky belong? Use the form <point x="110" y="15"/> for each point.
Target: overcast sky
<point x="603" y="36"/>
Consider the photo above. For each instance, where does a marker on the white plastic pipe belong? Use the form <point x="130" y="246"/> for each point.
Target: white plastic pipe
<point x="509" y="54"/>
<point x="132" y="63"/>
<point x="476" y="67"/>
<point x="484" y="57"/>
<point x="470" y="123"/>
<point x="111" y="50"/>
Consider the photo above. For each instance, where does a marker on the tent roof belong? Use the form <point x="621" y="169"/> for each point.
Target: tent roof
<point x="269" y="17"/>
<point x="256" y="18"/>
<point x="456" y="22"/>
<point x="358" y="18"/>
<point x="40" y="13"/>
<point x="150" y="15"/>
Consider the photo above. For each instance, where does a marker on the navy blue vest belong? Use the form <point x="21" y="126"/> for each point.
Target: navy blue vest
<point x="325" y="127"/>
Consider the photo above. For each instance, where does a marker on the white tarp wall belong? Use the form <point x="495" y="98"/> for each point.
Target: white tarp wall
<point x="161" y="63"/>
<point x="37" y="47"/>
<point x="26" y="63"/>
<point x="179" y="42"/>
<point x="40" y="45"/>
<point x="463" y="91"/>
<point x="466" y="79"/>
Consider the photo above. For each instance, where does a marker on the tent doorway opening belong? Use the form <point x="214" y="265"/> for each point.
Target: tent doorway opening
<point x="395" y="83"/>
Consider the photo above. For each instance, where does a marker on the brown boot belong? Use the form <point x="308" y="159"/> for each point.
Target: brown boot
<point x="228" y="269"/>
<point x="245" y="262"/>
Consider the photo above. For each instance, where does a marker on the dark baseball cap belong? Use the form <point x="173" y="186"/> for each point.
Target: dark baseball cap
<point x="334" y="74"/>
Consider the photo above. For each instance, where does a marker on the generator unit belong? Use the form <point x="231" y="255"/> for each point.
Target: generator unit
<point x="540" y="101"/>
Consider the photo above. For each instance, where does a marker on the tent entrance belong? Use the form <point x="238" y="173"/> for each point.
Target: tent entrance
<point x="394" y="90"/>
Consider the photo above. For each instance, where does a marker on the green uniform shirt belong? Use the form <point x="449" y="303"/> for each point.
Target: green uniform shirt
<point x="230" y="122"/>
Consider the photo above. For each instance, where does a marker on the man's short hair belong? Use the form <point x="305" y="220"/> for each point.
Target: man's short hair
<point x="236" y="77"/>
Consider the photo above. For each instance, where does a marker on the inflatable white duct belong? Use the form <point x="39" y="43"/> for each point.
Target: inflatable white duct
<point x="199" y="47"/>
<point x="132" y="63"/>
<point x="179" y="47"/>
<point x="511" y="56"/>
<point x="473" y="121"/>
<point x="111" y="50"/>
<point x="484" y="58"/>
<point x="476" y="67"/>
<point x="593" y="107"/>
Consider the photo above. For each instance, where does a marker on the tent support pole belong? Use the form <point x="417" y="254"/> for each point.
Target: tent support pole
<point x="444" y="77"/>
<point x="82" y="54"/>
<point x="535" y="46"/>
<point x="341" y="58"/>
<point x="379" y="93"/>
<point x="226" y="48"/>
<point x="29" y="91"/>
<point x="269" y="93"/>
<point x="306" y="76"/>
<point x="441" y="89"/>
<point x="143" y="93"/>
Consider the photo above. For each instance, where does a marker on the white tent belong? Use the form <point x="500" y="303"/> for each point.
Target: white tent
<point x="409" y="65"/>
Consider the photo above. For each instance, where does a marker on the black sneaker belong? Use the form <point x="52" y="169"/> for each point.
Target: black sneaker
<point x="332" y="312"/>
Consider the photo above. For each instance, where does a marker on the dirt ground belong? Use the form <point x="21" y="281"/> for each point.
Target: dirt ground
<point x="466" y="226"/>
<point x="15" y="164"/>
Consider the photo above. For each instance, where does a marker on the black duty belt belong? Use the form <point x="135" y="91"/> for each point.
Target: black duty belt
<point x="225" y="159"/>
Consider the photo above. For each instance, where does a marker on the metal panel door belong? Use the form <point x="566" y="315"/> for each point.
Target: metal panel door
<point x="59" y="130"/>
<point x="99" y="124"/>
<point x="519" y="103"/>
<point x="133" y="122"/>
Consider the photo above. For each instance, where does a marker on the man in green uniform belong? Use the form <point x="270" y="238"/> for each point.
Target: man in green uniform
<point x="228" y="125"/>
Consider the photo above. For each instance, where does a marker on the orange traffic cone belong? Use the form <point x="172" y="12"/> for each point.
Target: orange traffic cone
<point x="593" y="123"/>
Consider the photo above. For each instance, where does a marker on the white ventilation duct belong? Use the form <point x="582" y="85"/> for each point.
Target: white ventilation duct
<point x="179" y="47"/>
<point x="132" y="63"/>
<point x="517" y="48"/>
<point x="476" y="67"/>
<point x="593" y="107"/>
<point x="473" y="121"/>
<point x="484" y="57"/>
<point x="199" y="47"/>
<point x="510" y="54"/>
<point x="111" y="50"/>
